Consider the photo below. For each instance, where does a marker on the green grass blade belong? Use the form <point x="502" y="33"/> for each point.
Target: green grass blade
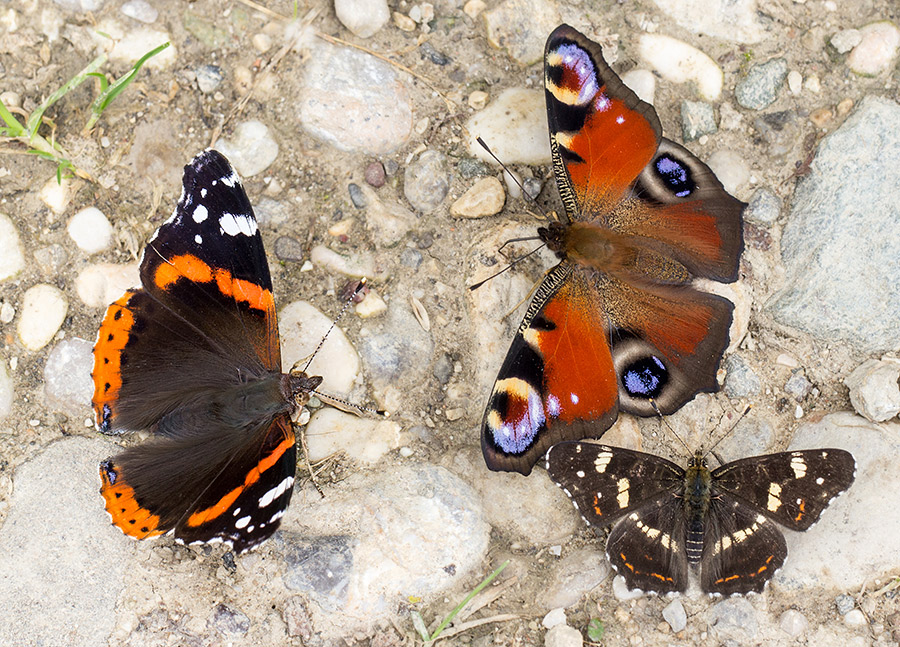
<point x="468" y="598"/>
<point x="34" y="119"/>
<point x="14" y="128"/>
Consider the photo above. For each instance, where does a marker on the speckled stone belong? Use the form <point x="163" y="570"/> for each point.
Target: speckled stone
<point x="427" y="181"/>
<point x="760" y="87"/>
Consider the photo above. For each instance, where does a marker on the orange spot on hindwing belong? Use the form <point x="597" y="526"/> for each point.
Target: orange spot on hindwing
<point x="107" y="374"/>
<point x="122" y="505"/>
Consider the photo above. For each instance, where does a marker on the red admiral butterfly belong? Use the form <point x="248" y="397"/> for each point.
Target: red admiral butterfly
<point x="665" y="518"/>
<point x="617" y="323"/>
<point x="194" y="358"/>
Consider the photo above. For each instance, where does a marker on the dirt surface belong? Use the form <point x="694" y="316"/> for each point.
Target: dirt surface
<point x="141" y="143"/>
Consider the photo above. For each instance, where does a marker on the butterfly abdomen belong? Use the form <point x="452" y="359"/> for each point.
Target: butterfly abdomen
<point x="697" y="485"/>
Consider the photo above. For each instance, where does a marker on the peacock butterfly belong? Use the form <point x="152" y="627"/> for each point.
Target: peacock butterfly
<point x="617" y="325"/>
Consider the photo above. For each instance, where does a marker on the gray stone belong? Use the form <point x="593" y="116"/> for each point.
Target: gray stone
<point x="875" y="388"/>
<point x="736" y="21"/>
<point x="840" y="245"/>
<point x="209" y="78"/>
<point x="733" y="619"/>
<point x="67" y="375"/>
<point x="411" y="258"/>
<point x="354" y="101"/>
<point x="426" y="181"/>
<point x="51" y="259"/>
<point x="740" y="380"/>
<point x="764" y="207"/>
<point x="798" y="386"/>
<point x="229" y="621"/>
<point x="675" y="615"/>
<point x="575" y="576"/>
<point x="140" y="10"/>
<point x="470" y="167"/>
<point x="375" y="174"/>
<point x="844" y="603"/>
<point x="251" y="148"/>
<point x="563" y="636"/>
<point x="400" y="353"/>
<point x="356" y="196"/>
<point x="62" y="564"/>
<point x="752" y="436"/>
<point x="697" y="119"/>
<point x="289" y="249"/>
<point x="521" y="27"/>
<point x="793" y="623"/>
<point x="362" y="17"/>
<point x="443" y="368"/>
<point x="818" y="557"/>
<point x="320" y="567"/>
<point x="760" y="87"/>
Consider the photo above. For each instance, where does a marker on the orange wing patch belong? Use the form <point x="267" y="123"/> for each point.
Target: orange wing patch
<point x="107" y="373"/>
<point x="121" y="504"/>
<point x="192" y="268"/>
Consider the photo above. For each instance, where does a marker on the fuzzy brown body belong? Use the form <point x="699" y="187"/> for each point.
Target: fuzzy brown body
<point x="697" y="495"/>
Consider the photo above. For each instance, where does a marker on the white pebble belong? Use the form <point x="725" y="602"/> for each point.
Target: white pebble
<point x="362" y="439"/>
<point x="555" y="617"/>
<point x="7" y="312"/>
<point x="793" y="623"/>
<point x="67" y="374"/>
<point x="874" y="389"/>
<point x="327" y="259"/>
<point x="251" y="149"/>
<point x="302" y="328"/>
<point x="140" y="10"/>
<point x="90" y="230"/>
<point x="484" y="198"/>
<point x="43" y="311"/>
<point x="563" y="636"/>
<point x="877" y="50"/>
<point x="100" y="284"/>
<point x="514" y="125"/>
<point x="371" y="306"/>
<point x="12" y="260"/>
<point x="130" y="47"/>
<point x="845" y="40"/>
<point x="675" y="615"/>
<point x="478" y="99"/>
<point x="362" y="17"/>
<point x="406" y="452"/>
<point x="812" y="84"/>
<point x="57" y="195"/>
<point x="642" y="83"/>
<point x="854" y="618"/>
<point x="7" y="390"/>
<point x="731" y="169"/>
<point x="795" y="82"/>
<point x="473" y="8"/>
<point x="622" y="592"/>
<point x="679" y="62"/>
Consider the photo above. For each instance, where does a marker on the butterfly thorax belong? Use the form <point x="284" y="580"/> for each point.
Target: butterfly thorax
<point x="589" y="244"/>
<point x="299" y="387"/>
<point x="696" y="498"/>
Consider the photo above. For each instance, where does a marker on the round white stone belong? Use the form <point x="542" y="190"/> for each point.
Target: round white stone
<point x="555" y="617"/>
<point x="362" y="17"/>
<point x="251" y="149"/>
<point x="642" y="83"/>
<point x="514" y="125"/>
<point x="484" y="198"/>
<point x="364" y="440"/>
<point x="91" y="230"/>
<point x="44" y="308"/>
<point x="100" y="284"/>
<point x="877" y="50"/>
<point x="12" y="260"/>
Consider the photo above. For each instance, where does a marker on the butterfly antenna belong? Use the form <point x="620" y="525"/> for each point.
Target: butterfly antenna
<point x="515" y="179"/>
<point x="359" y="287"/>
<point x="663" y="420"/>
<point x="350" y="407"/>
<point x="512" y="263"/>
<point x="728" y="433"/>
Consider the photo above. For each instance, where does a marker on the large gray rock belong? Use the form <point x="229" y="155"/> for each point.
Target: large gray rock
<point x="841" y="245"/>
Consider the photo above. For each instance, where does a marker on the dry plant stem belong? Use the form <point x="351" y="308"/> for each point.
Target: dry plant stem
<point x="486" y="598"/>
<point x="312" y="474"/>
<point x="334" y="40"/>
<point x="458" y="629"/>
<point x="258" y="7"/>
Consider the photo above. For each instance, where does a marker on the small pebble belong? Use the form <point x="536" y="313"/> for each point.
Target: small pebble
<point x="372" y="305"/>
<point x="532" y="186"/>
<point x="760" y="87"/>
<point x="90" y="230"/>
<point x="411" y="258"/>
<point x="443" y="369"/>
<point x="563" y="636"/>
<point x="262" y="43"/>
<point x="697" y="119"/>
<point x="473" y="8"/>
<point x="731" y="169"/>
<point x="478" y="99"/>
<point x="793" y="623"/>
<point x="795" y="82"/>
<point x="844" y="603"/>
<point x="140" y="10"/>
<point x="821" y="117"/>
<point x="356" y="196"/>
<point x="357" y="265"/>
<point x="374" y="174"/>
<point x="642" y="83"/>
<point x="555" y="617"/>
<point x="844" y="106"/>
<point x="741" y="380"/>
<point x="12" y="259"/>
<point x="520" y="27"/>
<point x="874" y="390"/>
<point x="403" y="22"/>
<point x="289" y="249"/>
<point x="67" y="374"/>
<point x="364" y="18"/>
<point x="764" y="207"/>
<point x="56" y="195"/>
<point x="845" y="40"/>
<point x="43" y="311"/>
<point x="855" y="618"/>
<point x="229" y="621"/>
<point x="484" y="198"/>
<point x="812" y="84"/>
<point x="388" y="221"/>
<point x="209" y="78"/>
<point x="436" y="57"/>
<point x="131" y="46"/>
<point x="100" y="284"/>
<point x="470" y="167"/>
<point x="676" y="61"/>
<point x="675" y="615"/>
<point x="513" y="182"/>
<point x="798" y="386"/>
<point x="7" y="312"/>
<point x="514" y="125"/>
<point x="251" y="149"/>
<point x="427" y="181"/>
<point x="877" y="50"/>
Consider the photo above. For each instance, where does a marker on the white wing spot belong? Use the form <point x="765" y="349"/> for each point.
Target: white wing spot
<point x="233" y="225"/>
<point x="198" y="239"/>
<point x="275" y="492"/>
<point x="774" y="501"/>
<point x="622" y="499"/>
<point x="799" y="466"/>
<point x="236" y="512"/>
<point x="242" y="522"/>
<point x="580" y="474"/>
<point x="231" y="179"/>
<point x="203" y="193"/>
<point x="200" y="213"/>
<point x="820" y="481"/>
<point x="601" y="462"/>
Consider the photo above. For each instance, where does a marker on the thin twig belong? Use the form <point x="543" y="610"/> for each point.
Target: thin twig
<point x="458" y="629"/>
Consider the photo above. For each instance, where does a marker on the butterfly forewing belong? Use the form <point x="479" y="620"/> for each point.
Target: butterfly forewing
<point x="793" y="488"/>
